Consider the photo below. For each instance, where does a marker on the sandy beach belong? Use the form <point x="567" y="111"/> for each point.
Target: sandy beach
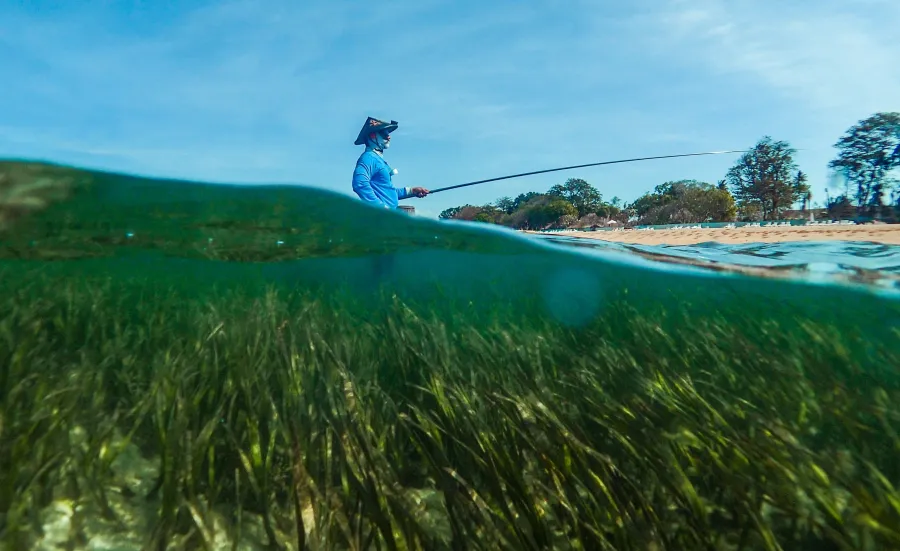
<point x="878" y="233"/>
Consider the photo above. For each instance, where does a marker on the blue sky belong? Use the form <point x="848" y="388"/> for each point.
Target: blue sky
<point x="276" y="91"/>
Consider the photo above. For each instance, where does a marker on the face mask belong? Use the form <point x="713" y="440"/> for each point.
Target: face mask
<point x="380" y="142"/>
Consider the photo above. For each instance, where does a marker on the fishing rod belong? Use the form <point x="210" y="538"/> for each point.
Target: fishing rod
<point x="583" y="166"/>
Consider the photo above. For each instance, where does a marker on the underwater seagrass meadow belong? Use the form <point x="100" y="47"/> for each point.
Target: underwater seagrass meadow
<point x="199" y="366"/>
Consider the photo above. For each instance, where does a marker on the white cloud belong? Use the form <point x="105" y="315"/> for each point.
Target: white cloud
<point x="833" y="57"/>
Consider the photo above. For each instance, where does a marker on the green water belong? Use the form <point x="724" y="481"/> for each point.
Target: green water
<point x="193" y="366"/>
<point x="206" y="235"/>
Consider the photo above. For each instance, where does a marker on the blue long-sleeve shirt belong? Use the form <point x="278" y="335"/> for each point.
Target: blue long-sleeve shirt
<point x="372" y="181"/>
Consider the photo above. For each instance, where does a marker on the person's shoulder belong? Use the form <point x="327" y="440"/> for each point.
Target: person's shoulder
<point x="371" y="158"/>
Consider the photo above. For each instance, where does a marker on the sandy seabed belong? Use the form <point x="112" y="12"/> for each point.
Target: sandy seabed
<point x="878" y="233"/>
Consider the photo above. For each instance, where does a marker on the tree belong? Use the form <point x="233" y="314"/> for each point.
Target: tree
<point x="468" y="213"/>
<point x="608" y="210"/>
<point x="801" y="187"/>
<point x="839" y="207"/>
<point x="567" y="221"/>
<point x="582" y="195"/>
<point x="523" y="198"/>
<point x="709" y="204"/>
<point x="767" y="177"/>
<point x="647" y="202"/>
<point x="450" y="213"/>
<point x="749" y="212"/>
<point x="551" y="213"/>
<point x="869" y="150"/>
<point x="590" y="220"/>
<point x="541" y="211"/>
<point x="807" y="200"/>
<point x="679" y="201"/>
<point x="685" y="201"/>
<point x="506" y="204"/>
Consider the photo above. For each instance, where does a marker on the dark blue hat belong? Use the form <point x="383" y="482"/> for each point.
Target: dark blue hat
<point x="374" y="125"/>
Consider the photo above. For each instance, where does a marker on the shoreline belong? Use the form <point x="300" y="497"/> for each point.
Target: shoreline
<point x="885" y="234"/>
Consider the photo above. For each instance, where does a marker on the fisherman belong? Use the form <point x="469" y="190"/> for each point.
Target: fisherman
<point x="372" y="177"/>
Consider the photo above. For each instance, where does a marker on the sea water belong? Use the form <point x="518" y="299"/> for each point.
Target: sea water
<point x="875" y="264"/>
<point x="62" y="228"/>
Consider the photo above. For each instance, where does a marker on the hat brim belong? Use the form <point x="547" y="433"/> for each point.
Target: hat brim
<point x="366" y="130"/>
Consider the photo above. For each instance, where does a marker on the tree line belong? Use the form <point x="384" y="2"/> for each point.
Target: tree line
<point x="762" y="185"/>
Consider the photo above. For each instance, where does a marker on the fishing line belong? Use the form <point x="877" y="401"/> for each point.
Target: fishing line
<point x="583" y="166"/>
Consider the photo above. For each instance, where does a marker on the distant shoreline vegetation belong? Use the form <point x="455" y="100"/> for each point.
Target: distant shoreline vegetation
<point x="764" y="184"/>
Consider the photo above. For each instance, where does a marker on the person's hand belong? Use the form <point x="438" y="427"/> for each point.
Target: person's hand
<point x="419" y="191"/>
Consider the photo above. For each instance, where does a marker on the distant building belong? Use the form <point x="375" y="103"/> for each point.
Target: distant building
<point x="408" y="209"/>
<point x="807" y="214"/>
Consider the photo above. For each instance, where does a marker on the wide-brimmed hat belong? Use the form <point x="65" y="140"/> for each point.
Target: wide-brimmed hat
<point x="374" y="125"/>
